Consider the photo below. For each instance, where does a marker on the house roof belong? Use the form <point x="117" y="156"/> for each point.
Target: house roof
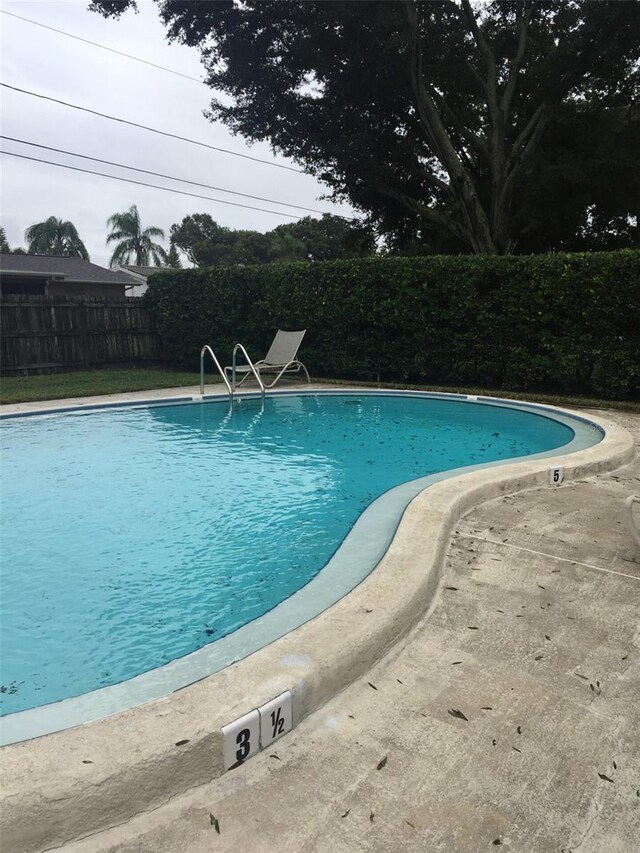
<point x="145" y="272"/>
<point x="55" y="266"/>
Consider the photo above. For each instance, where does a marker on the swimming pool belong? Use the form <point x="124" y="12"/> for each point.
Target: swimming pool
<point x="134" y="538"/>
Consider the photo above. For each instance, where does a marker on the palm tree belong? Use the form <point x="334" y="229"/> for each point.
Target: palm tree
<point x="55" y="237"/>
<point x="134" y="242"/>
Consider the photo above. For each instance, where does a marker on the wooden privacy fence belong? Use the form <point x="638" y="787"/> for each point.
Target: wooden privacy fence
<point x="43" y="334"/>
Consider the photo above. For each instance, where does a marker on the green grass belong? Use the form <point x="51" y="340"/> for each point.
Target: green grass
<point x="56" y="386"/>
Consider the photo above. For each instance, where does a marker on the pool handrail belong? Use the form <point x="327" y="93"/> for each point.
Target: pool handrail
<point x="204" y="349"/>
<point x="249" y="363"/>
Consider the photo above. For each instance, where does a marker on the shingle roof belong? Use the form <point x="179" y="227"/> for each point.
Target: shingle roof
<point x="70" y="269"/>
<point x="146" y="271"/>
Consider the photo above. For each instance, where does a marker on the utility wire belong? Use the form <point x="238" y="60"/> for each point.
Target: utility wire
<point x="150" y="129"/>
<point x="103" y="47"/>
<point x="153" y="186"/>
<point x="161" y="175"/>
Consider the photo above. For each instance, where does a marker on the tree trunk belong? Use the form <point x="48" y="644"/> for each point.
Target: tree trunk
<point x="487" y="231"/>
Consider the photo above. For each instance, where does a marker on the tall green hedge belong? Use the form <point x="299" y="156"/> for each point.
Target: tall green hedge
<point x="562" y="322"/>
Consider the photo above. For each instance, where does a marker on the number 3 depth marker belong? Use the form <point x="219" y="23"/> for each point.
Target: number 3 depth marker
<point x="240" y="739"/>
<point x="247" y="735"/>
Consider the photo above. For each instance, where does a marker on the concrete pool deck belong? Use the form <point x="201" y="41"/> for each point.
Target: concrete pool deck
<point x="543" y="621"/>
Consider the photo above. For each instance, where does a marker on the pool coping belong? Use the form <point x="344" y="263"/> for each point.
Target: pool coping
<point x="133" y="760"/>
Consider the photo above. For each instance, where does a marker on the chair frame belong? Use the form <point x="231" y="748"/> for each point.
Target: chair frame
<point x="262" y="366"/>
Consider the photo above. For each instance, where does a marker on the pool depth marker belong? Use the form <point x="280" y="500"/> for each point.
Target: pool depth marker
<point x="256" y="730"/>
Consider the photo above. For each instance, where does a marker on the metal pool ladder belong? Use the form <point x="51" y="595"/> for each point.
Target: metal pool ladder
<point x="231" y="387"/>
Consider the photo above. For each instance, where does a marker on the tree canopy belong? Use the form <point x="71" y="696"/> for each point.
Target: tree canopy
<point x="587" y="181"/>
<point x="173" y="258"/>
<point x="428" y="116"/>
<point x="330" y="238"/>
<point x="55" y="237"/>
<point x="205" y="243"/>
<point x="133" y="242"/>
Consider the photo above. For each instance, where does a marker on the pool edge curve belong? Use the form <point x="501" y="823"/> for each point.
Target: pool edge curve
<point x="139" y="763"/>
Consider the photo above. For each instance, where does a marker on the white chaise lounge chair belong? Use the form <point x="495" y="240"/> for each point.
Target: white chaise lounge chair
<point x="281" y="359"/>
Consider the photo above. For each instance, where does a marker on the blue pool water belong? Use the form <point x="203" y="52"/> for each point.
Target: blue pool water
<point x="133" y="537"/>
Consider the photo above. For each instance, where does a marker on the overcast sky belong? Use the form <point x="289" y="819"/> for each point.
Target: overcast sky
<point x="51" y="64"/>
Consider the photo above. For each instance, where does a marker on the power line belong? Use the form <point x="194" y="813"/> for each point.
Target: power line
<point x="103" y="47"/>
<point x="153" y="186"/>
<point x="161" y="175"/>
<point x="150" y="129"/>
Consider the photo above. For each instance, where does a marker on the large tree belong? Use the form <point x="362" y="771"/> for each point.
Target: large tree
<point x="55" y="237"/>
<point x="134" y="242"/>
<point x="587" y="181"/>
<point x="205" y="243"/>
<point x="329" y="238"/>
<point x="425" y="115"/>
